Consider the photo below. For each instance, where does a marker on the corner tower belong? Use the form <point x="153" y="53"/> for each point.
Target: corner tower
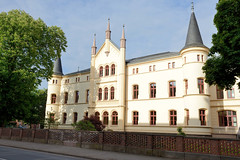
<point x="54" y="94"/>
<point x="196" y="96"/>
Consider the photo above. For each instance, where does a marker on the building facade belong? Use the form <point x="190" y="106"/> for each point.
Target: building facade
<point x="154" y="93"/>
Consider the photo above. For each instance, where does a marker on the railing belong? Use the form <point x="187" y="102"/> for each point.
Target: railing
<point x="127" y="141"/>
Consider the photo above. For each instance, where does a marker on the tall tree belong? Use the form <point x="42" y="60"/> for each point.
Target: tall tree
<point x="223" y="66"/>
<point x="37" y="109"/>
<point x="27" y="50"/>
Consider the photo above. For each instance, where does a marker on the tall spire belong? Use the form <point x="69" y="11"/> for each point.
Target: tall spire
<point x="94" y="48"/>
<point x="123" y="40"/>
<point x="194" y="38"/>
<point x="108" y="31"/>
<point x="57" y="69"/>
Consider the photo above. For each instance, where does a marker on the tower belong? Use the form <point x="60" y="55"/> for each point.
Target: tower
<point x="196" y="97"/>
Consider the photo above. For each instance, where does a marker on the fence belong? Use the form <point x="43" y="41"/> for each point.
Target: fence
<point x="140" y="143"/>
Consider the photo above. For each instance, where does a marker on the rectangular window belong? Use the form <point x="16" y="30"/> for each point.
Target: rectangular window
<point x="202" y="117"/>
<point x="87" y="78"/>
<point x="172" y="89"/>
<point x="202" y="58"/>
<point x="133" y="70"/>
<point x="153" y="118"/>
<point x="173" y="64"/>
<point x="135" y="118"/>
<point x="187" y="116"/>
<point x="135" y="92"/>
<point x="173" y="118"/>
<point x="136" y="70"/>
<point x="66" y="97"/>
<point x="150" y="68"/>
<point x="153" y="90"/>
<point x="185" y="60"/>
<point x="154" y="67"/>
<point x="230" y="93"/>
<point x="76" y="96"/>
<point x="64" y="118"/>
<point x="227" y="118"/>
<point x="186" y="86"/>
<point x="87" y="95"/>
<point x="219" y="93"/>
<point x="75" y="116"/>
<point x="201" y="85"/>
<point x="169" y="65"/>
<point x="53" y="98"/>
<point x="198" y="58"/>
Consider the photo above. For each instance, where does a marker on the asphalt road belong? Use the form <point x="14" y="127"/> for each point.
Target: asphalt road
<point x="9" y="153"/>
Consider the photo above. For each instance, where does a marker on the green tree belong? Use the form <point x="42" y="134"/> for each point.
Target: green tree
<point x="27" y="50"/>
<point x="223" y="66"/>
<point x="37" y="110"/>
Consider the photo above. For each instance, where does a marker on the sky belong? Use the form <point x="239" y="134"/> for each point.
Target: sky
<point x="151" y="26"/>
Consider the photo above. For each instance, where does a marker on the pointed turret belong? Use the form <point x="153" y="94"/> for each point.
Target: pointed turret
<point x="123" y="40"/>
<point x="194" y="38"/>
<point x="94" y="48"/>
<point x="108" y="31"/>
<point x="57" y="69"/>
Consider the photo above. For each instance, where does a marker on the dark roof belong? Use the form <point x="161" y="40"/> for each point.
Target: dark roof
<point x="194" y="38"/>
<point x="57" y="69"/>
<point x="152" y="57"/>
<point x="82" y="71"/>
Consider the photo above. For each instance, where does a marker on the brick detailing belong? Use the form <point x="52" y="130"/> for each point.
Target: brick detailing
<point x="143" y="142"/>
<point x="165" y="143"/>
<point x="136" y="140"/>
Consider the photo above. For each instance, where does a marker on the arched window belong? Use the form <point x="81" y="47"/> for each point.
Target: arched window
<point x="53" y="98"/>
<point x="101" y="71"/>
<point x="135" y="118"/>
<point x="173" y="117"/>
<point x="105" y="118"/>
<point x="106" y="93"/>
<point x="153" y="90"/>
<point x="112" y="93"/>
<point x="113" y="69"/>
<point x="75" y="117"/>
<point x="172" y="89"/>
<point x="202" y="117"/>
<point x="97" y="114"/>
<point x="114" y="118"/>
<point x="135" y="92"/>
<point x="153" y="117"/>
<point x="64" y="118"/>
<point x="107" y="70"/>
<point x="100" y="94"/>
<point x="227" y="118"/>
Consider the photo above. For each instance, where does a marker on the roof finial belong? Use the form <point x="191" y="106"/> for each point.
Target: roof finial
<point x="123" y="40"/>
<point x="94" y="48"/>
<point x="192" y="6"/>
<point x="123" y="33"/>
<point x="94" y="40"/>
<point x="108" y="32"/>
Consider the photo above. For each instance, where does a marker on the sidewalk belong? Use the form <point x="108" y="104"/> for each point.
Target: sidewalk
<point x="77" y="152"/>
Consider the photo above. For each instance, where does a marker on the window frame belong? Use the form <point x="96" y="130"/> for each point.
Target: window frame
<point x="75" y="117"/>
<point x="220" y="93"/>
<point x="114" y="118"/>
<point x="107" y="70"/>
<point x="224" y="118"/>
<point x="173" y="117"/>
<point x="76" y="96"/>
<point x="135" y="91"/>
<point x="53" y="98"/>
<point x="153" y="90"/>
<point x="153" y="117"/>
<point x="230" y="93"/>
<point x="65" y="97"/>
<point x="112" y="91"/>
<point x="200" y="82"/>
<point x="105" y="118"/>
<point x="172" y="89"/>
<point x="106" y="93"/>
<point x="101" y="71"/>
<point x="113" y="69"/>
<point x="100" y="94"/>
<point x="202" y="117"/>
<point x="64" y="118"/>
<point x="135" y="117"/>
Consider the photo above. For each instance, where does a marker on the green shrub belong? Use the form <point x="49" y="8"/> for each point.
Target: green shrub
<point x="84" y="125"/>
<point x="180" y="132"/>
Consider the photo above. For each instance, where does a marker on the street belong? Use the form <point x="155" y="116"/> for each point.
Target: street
<point x="9" y="153"/>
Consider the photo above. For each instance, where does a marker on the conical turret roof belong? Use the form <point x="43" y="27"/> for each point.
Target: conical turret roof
<point x="194" y="38"/>
<point x="57" y="69"/>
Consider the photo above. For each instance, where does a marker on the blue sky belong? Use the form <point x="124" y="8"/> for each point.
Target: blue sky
<point x="151" y="26"/>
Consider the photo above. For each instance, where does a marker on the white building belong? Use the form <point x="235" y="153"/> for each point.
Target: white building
<point x="154" y="93"/>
